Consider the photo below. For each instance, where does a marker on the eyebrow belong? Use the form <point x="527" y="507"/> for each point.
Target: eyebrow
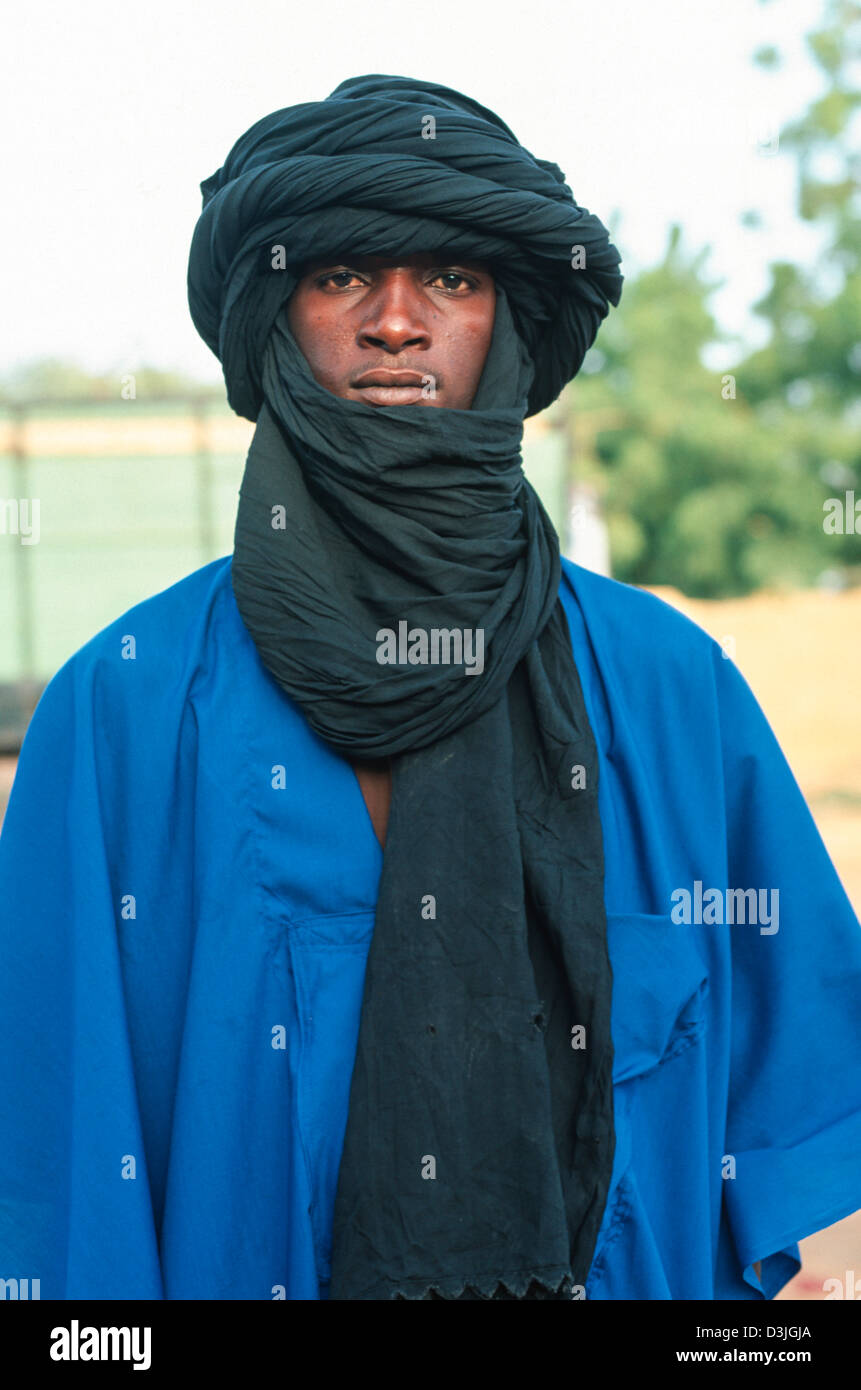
<point x="360" y="262"/>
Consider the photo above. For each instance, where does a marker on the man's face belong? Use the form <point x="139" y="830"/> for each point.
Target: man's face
<point x="405" y="330"/>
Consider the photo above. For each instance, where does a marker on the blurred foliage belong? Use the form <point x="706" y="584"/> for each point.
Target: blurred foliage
<point x="714" y="482"/>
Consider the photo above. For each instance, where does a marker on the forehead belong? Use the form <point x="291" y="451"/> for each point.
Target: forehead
<point x="418" y="260"/>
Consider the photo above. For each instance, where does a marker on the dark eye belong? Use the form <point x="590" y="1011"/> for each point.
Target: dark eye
<point x="339" y="278"/>
<point x="448" y="276"/>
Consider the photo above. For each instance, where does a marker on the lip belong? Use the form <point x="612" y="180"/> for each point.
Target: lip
<point x="388" y="376"/>
<point x="391" y="395"/>
<point x="389" y="386"/>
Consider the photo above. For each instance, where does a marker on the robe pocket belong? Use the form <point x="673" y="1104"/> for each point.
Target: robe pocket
<point x="660" y="987"/>
<point x="660" y="984"/>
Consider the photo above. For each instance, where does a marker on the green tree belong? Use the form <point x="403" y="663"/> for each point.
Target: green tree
<point x="807" y="380"/>
<point x="714" y="482"/>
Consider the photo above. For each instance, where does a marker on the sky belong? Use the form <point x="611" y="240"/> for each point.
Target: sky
<point x="113" y="115"/>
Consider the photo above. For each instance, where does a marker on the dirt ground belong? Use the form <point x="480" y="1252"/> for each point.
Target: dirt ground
<point x="7" y="773"/>
<point x="801" y="654"/>
<point x="133" y="432"/>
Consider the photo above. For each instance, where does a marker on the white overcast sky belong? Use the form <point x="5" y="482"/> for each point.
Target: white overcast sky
<point x="112" y="114"/>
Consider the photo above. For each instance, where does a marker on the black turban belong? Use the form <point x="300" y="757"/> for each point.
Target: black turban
<point x="391" y="165"/>
<point x="479" y="1141"/>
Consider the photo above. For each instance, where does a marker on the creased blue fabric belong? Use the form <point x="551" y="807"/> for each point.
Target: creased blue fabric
<point x="152" y="1036"/>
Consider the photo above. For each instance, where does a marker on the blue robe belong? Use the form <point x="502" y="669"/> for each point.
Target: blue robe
<point x="188" y="878"/>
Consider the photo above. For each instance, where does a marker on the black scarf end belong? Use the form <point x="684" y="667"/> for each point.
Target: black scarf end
<point x="521" y="1286"/>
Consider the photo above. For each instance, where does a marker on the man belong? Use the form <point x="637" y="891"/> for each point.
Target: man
<point x="389" y="910"/>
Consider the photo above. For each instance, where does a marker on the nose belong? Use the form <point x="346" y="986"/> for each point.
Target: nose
<point x="395" y="314"/>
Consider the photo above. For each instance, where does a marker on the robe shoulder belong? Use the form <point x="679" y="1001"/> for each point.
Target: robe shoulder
<point x="656" y="684"/>
<point x="125" y="690"/>
<point x="110" y="754"/>
<point x="636" y="629"/>
<point x="164" y="639"/>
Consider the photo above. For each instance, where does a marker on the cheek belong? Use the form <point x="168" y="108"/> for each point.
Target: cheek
<point x="320" y="340"/>
<point x="298" y="320"/>
<point x="475" y="344"/>
<point x="294" y="313"/>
